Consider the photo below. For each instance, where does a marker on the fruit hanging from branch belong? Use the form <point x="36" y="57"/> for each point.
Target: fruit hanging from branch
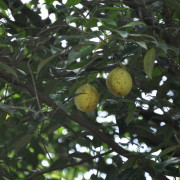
<point x="119" y="82"/>
<point x="87" y="98"/>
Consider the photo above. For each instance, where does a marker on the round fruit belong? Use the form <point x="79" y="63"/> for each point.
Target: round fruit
<point x="119" y="82"/>
<point x="87" y="98"/>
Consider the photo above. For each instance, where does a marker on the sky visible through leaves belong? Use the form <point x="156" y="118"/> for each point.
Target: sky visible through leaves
<point x="103" y="116"/>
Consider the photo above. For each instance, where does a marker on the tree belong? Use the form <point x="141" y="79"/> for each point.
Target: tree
<point x="45" y="58"/>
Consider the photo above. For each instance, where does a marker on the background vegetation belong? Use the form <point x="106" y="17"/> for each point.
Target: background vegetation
<point x="50" y="48"/>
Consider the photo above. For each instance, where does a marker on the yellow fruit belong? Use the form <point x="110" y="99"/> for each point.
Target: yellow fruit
<point x="87" y="98"/>
<point x="119" y="82"/>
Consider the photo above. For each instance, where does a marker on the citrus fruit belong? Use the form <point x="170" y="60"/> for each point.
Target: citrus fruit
<point x="87" y="98"/>
<point x="119" y="82"/>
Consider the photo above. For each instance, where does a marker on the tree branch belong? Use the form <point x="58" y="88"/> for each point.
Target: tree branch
<point x="149" y="19"/>
<point x="34" y="18"/>
<point x="67" y="165"/>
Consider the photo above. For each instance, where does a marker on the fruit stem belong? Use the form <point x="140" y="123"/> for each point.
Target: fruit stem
<point x="121" y="65"/>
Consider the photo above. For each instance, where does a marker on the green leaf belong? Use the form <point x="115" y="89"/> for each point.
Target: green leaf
<point x="129" y="163"/>
<point x="111" y="173"/>
<point x="67" y="37"/>
<point x="72" y="2"/>
<point x="169" y="149"/>
<point x="129" y="118"/>
<point x="173" y="160"/>
<point x="55" y="50"/>
<point x="149" y="61"/>
<point x="157" y="71"/>
<point x="3" y="5"/>
<point x="83" y="52"/>
<point x="156" y="148"/>
<point x="123" y="34"/>
<point x="131" y="174"/>
<point x="9" y="69"/>
<point x="148" y="37"/>
<point x="18" y="9"/>
<point x="142" y="44"/>
<point x="134" y="23"/>
<point x="145" y="128"/>
<point x="166" y="47"/>
<point x="71" y="19"/>
<point x="107" y="21"/>
<point x="90" y="22"/>
<point x="167" y="132"/>
<point x="112" y="8"/>
<point x="44" y="62"/>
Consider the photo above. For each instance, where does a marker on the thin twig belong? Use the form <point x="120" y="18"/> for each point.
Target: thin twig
<point x="6" y="97"/>
<point x="38" y="102"/>
<point x="45" y="148"/>
<point x="35" y="89"/>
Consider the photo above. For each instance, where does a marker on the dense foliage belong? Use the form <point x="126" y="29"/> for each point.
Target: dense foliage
<point x="48" y="49"/>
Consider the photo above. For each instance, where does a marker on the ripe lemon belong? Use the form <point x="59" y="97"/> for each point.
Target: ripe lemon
<point x="119" y="82"/>
<point x="87" y="98"/>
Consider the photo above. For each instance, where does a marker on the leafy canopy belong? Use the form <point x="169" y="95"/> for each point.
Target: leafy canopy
<point x="48" y="49"/>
